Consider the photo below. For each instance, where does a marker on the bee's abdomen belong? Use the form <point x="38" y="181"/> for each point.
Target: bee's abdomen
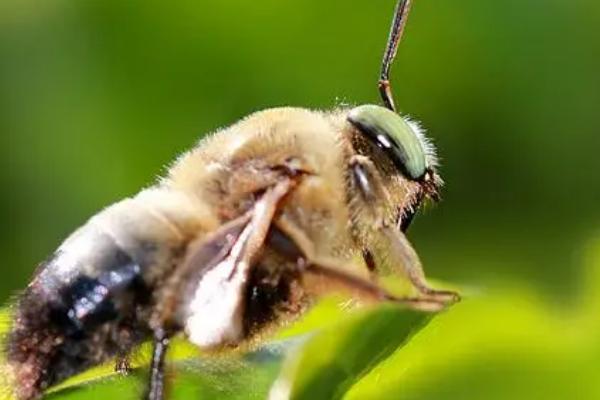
<point x="62" y="327"/>
<point x="91" y="301"/>
<point x="87" y="303"/>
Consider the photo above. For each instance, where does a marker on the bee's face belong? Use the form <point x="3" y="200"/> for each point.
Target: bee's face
<point x="398" y="142"/>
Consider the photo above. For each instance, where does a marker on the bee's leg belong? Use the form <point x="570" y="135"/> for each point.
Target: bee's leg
<point x="122" y="365"/>
<point x="156" y="385"/>
<point x="368" y="182"/>
<point x="404" y="254"/>
<point x="318" y="274"/>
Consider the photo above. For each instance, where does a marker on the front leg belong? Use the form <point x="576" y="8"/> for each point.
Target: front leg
<point x="375" y="198"/>
<point x="402" y="253"/>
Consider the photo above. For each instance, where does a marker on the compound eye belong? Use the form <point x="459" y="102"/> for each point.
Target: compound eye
<point x="390" y="132"/>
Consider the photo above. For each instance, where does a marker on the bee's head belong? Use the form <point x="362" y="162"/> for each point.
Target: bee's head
<point x="396" y="145"/>
<point x="389" y="139"/>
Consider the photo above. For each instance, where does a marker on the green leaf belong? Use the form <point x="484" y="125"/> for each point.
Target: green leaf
<point x="353" y="346"/>
<point x="247" y="377"/>
<point x="336" y="358"/>
<point x="508" y="343"/>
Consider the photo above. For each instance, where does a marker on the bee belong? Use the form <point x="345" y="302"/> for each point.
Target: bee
<point x="246" y="229"/>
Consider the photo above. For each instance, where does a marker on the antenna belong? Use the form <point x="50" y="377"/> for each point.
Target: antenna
<point x="398" y="24"/>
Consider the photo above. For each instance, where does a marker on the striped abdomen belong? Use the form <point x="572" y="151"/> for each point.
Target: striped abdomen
<point x="92" y="300"/>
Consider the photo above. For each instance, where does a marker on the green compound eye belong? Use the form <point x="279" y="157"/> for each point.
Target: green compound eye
<point x="390" y="132"/>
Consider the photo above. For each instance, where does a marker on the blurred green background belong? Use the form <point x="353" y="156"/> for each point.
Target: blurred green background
<point x="96" y="97"/>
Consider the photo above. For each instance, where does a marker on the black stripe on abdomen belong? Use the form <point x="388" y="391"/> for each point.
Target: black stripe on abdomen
<point x="87" y="302"/>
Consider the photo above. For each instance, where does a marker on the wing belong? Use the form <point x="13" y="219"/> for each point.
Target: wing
<point x="205" y="296"/>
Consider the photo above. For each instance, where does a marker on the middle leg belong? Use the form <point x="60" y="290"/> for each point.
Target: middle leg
<point x="320" y="275"/>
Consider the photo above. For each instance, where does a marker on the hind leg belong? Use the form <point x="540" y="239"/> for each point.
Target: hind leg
<point x="156" y="386"/>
